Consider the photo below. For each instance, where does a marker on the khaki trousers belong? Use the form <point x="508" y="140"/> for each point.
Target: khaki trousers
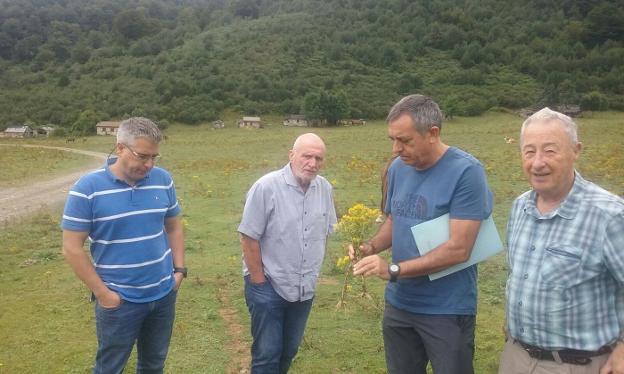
<point x="515" y="360"/>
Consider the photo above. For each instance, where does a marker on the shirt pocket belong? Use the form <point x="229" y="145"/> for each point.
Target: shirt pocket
<point x="561" y="265"/>
<point x="318" y="227"/>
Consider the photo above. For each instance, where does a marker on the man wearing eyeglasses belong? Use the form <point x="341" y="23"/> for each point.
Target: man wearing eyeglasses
<point x="129" y="211"/>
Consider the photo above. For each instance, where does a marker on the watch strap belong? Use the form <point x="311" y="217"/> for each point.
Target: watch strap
<point x="182" y="270"/>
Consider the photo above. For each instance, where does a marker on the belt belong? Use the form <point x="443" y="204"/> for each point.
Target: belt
<point x="568" y="356"/>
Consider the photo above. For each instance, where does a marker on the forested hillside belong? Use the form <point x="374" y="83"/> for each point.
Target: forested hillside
<point x="72" y="62"/>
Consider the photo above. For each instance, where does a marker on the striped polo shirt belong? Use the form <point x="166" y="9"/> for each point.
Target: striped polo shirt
<point x="129" y="245"/>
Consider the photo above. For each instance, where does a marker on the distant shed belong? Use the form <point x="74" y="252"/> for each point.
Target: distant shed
<point x="19" y="132"/>
<point x="297" y="120"/>
<point x="107" y="128"/>
<point x="250" y="122"/>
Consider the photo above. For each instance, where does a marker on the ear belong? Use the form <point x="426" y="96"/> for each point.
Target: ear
<point x="434" y="133"/>
<point x="577" y="150"/>
<point x="118" y="148"/>
<point x="291" y="154"/>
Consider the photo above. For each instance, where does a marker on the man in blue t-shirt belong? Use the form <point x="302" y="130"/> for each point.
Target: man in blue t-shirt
<point x="129" y="212"/>
<point x="427" y="320"/>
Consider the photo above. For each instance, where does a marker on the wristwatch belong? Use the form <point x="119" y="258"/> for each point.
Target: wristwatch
<point x="394" y="270"/>
<point x="183" y="270"/>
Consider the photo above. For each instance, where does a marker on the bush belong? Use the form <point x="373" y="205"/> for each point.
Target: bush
<point x="594" y="101"/>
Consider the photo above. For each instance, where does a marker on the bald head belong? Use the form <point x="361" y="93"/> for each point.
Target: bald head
<point x="308" y="139"/>
<point x="306" y="158"/>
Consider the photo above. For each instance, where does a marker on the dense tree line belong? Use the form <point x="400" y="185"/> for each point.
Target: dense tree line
<point x="70" y="61"/>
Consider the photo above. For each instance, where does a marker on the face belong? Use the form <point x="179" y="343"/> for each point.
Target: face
<point x="306" y="161"/>
<point x="548" y="159"/>
<point x="412" y="147"/>
<point x="136" y="160"/>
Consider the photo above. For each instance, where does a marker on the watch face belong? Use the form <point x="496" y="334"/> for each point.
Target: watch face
<point x="394" y="268"/>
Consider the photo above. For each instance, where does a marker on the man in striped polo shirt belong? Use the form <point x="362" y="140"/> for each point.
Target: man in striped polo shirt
<point x="129" y="212"/>
<point x="565" y="291"/>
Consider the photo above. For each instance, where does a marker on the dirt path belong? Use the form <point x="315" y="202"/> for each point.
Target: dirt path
<point x="19" y="202"/>
<point x="235" y="343"/>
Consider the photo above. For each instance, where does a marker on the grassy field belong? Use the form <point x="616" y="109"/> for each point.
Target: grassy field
<point x="46" y="320"/>
<point x="22" y="165"/>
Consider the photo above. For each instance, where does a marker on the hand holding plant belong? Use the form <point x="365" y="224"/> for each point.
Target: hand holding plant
<point x="357" y="224"/>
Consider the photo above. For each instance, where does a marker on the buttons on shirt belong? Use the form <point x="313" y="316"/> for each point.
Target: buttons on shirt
<point x="519" y="303"/>
<point x="532" y="248"/>
<point x="526" y="276"/>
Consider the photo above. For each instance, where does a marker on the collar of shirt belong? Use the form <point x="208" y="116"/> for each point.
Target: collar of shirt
<point x="109" y="173"/>
<point x="567" y="209"/>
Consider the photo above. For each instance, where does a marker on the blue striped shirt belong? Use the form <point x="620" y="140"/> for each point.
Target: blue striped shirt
<point x="566" y="270"/>
<point x="129" y="245"/>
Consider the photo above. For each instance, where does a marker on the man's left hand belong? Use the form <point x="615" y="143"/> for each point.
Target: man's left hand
<point x="372" y="266"/>
<point x="615" y="363"/>
<point x="178" y="280"/>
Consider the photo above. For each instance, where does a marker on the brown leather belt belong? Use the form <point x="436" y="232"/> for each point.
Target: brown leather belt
<point x="568" y="356"/>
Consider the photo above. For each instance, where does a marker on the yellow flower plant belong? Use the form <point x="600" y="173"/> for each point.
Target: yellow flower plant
<point x="355" y="226"/>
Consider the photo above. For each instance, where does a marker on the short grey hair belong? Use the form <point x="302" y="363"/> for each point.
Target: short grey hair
<point x="547" y="115"/>
<point x="138" y="127"/>
<point x="425" y="113"/>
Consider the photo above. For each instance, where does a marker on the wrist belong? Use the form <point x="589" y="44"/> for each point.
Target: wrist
<point x="182" y="270"/>
<point x="373" y="248"/>
<point x="394" y="270"/>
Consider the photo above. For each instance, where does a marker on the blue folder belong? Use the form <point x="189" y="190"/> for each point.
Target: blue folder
<point x="430" y="234"/>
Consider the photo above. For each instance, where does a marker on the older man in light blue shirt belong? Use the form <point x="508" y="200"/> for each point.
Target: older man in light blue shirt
<point x="287" y="217"/>
<point x="566" y="264"/>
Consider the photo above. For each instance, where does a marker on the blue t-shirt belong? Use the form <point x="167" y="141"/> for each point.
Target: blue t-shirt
<point x="457" y="185"/>
<point x="129" y="245"/>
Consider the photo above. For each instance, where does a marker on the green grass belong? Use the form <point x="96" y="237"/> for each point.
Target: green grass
<point x="46" y="320"/>
<point x="21" y="165"/>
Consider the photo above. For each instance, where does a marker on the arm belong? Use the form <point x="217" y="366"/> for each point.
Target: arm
<point x="73" y="242"/>
<point x="615" y="363"/>
<point x="463" y="234"/>
<point x="175" y="234"/>
<point x="253" y="258"/>
<point x="614" y="259"/>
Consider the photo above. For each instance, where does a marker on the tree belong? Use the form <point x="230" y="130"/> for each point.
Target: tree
<point x="594" y="101"/>
<point x="131" y="25"/>
<point x="85" y="124"/>
<point x="328" y="106"/>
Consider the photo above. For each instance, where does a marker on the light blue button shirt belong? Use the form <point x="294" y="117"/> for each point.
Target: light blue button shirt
<point x="292" y="227"/>
<point x="566" y="270"/>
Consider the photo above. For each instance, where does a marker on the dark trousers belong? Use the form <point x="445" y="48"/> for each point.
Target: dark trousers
<point x="412" y="340"/>
<point x="277" y="328"/>
<point x="148" y="324"/>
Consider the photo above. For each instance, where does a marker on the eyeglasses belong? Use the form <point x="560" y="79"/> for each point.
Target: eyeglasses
<point x="144" y="157"/>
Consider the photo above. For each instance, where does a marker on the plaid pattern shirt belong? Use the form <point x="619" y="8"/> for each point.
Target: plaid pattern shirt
<point x="566" y="270"/>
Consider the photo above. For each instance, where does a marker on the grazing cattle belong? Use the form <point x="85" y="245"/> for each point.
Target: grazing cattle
<point x="509" y="140"/>
<point x="70" y="140"/>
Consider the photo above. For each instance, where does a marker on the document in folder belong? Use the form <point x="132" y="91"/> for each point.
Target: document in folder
<point x="431" y="234"/>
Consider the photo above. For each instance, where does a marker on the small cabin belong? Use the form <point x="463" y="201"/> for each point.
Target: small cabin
<point x="107" y="128"/>
<point x="19" y="132"/>
<point x="297" y="120"/>
<point x="45" y="131"/>
<point x="250" y="123"/>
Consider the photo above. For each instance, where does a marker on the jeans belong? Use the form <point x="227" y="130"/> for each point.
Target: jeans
<point x="277" y="327"/>
<point x="412" y="340"/>
<point x="147" y="324"/>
